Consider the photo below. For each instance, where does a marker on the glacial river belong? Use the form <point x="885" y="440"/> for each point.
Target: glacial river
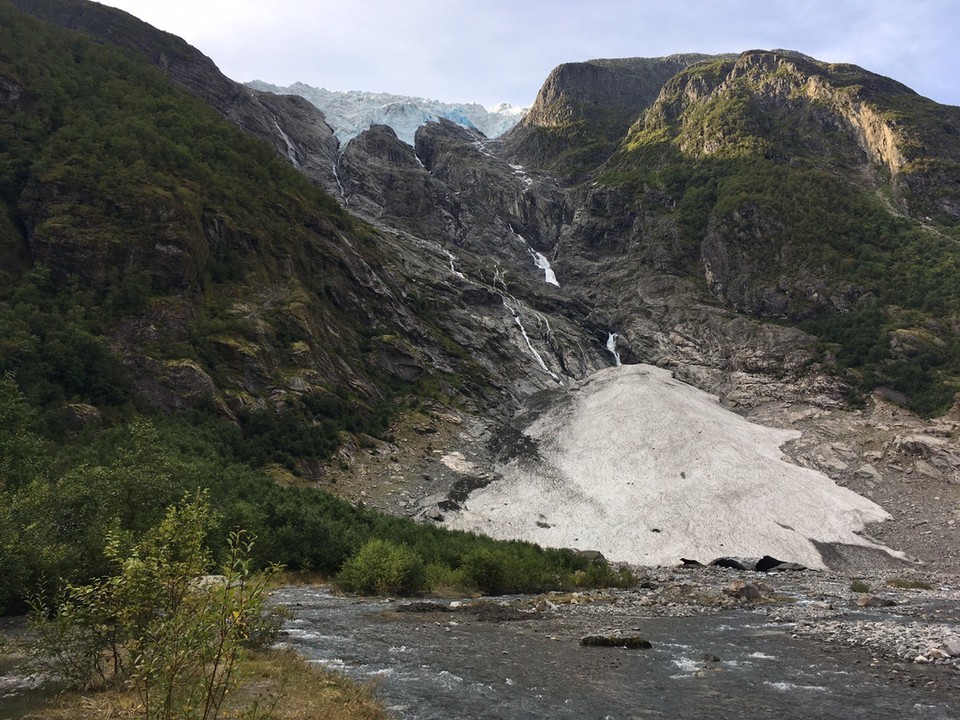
<point x="442" y="666"/>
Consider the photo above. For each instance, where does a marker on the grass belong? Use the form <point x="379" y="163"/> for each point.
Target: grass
<point x="284" y="685"/>
<point x="306" y="692"/>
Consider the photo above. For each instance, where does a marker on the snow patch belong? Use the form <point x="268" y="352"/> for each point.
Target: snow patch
<point x="647" y="469"/>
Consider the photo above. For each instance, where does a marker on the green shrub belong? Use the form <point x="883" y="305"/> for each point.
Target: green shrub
<point x="157" y="625"/>
<point x="859" y="586"/>
<point x="909" y="584"/>
<point x="383" y="568"/>
<point x="487" y="569"/>
<point x="443" y="580"/>
<point x="601" y="574"/>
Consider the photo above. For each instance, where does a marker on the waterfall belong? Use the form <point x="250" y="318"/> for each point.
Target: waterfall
<point x="533" y="350"/>
<point x="336" y="174"/>
<point x="515" y="310"/>
<point x="540" y="260"/>
<point x="522" y="174"/>
<point x="612" y="347"/>
<point x="452" y="259"/>
<point x="291" y="150"/>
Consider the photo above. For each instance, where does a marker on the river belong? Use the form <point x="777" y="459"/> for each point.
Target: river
<point x="735" y="664"/>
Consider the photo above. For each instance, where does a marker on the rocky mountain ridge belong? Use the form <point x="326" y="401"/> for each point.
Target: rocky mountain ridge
<point x="351" y="112"/>
<point x="732" y="219"/>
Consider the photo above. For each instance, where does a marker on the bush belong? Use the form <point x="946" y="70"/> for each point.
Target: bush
<point x="489" y="571"/>
<point x="383" y="568"/>
<point x="157" y="625"/>
<point x="601" y="574"/>
<point x="909" y="584"/>
<point x="444" y="580"/>
<point x="859" y="586"/>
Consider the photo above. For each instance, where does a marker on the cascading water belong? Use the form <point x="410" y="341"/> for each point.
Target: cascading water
<point x="291" y="150"/>
<point x="336" y="174"/>
<point x="515" y="310"/>
<point x="540" y="260"/>
<point x="612" y="347"/>
<point x="549" y="276"/>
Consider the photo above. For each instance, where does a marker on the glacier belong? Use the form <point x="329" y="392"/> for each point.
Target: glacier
<point x="351" y="112"/>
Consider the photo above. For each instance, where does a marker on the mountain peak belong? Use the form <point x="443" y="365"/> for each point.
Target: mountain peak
<point x="351" y="112"/>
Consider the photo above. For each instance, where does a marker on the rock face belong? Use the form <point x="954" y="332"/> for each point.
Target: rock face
<point x="595" y="101"/>
<point x="632" y="201"/>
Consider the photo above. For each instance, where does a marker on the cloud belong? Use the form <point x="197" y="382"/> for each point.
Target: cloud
<point x="494" y="50"/>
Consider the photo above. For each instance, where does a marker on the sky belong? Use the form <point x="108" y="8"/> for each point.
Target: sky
<point x="492" y="51"/>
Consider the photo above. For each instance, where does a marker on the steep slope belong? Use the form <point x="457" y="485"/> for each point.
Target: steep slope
<point x="789" y="188"/>
<point x="583" y="109"/>
<point x="291" y="124"/>
<point x="217" y="273"/>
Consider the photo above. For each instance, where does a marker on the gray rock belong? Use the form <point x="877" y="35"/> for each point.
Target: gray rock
<point x="743" y="590"/>
<point x="80" y="416"/>
<point x="616" y="640"/>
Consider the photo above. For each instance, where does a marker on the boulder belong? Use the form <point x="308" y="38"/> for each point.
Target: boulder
<point x="874" y="601"/>
<point x="743" y="590"/>
<point x="771" y="564"/>
<point x="951" y="645"/>
<point x="735" y="563"/>
<point x="632" y="642"/>
<point x="80" y="416"/>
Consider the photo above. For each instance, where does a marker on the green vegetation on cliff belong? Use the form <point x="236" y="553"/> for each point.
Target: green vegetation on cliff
<point x="788" y="218"/>
<point x="180" y="309"/>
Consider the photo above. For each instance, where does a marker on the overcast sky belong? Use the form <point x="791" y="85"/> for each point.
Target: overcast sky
<point x="492" y="51"/>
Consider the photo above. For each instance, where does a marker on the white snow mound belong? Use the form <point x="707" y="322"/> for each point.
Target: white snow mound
<point x="647" y="469"/>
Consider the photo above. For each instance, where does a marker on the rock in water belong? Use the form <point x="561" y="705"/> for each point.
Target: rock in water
<point x="631" y="642"/>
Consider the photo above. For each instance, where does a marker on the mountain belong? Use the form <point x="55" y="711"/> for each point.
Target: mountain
<point x="583" y="109"/>
<point x="351" y="112"/>
<point x="776" y="231"/>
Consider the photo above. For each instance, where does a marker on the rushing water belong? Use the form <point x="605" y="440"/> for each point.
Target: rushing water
<point x="612" y="347"/>
<point x="447" y="665"/>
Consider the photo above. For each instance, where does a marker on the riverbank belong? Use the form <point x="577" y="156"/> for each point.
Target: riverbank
<point x="282" y="683"/>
